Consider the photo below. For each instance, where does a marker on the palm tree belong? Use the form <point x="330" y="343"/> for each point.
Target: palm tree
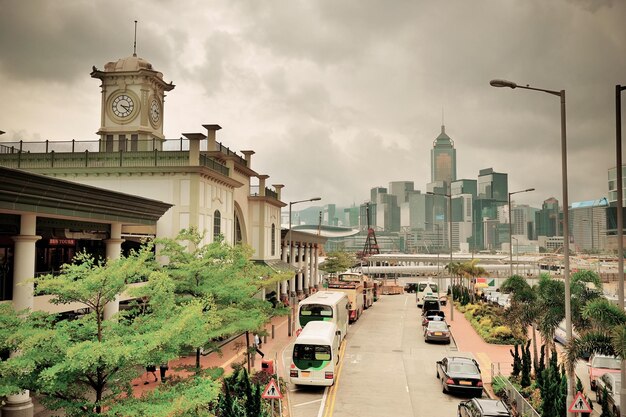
<point x="471" y="271"/>
<point x="551" y="305"/>
<point x="454" y="270"/>
<point x="524" y="310"/>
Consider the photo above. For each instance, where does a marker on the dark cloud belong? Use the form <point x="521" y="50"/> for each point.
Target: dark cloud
<point x="339" y="97"/>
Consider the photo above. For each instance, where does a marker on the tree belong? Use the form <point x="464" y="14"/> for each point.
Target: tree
<point x="551" y="305"/>
<point x="225" y="280"/>
<point x="524" y="310"/>
<point x="338" y="261"/>
<point x="85" y="366"/>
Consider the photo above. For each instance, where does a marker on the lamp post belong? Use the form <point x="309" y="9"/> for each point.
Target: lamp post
<point x="619" y="172"/>
<point x="449" y="197"/>
<point x="511" y="225"/>
<point x="517" y="255"/>
<point x="291" y="317"/>
<point x="568" y="307"/>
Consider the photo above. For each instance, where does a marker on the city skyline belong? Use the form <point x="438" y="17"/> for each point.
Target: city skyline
<point x="338" y="99"/>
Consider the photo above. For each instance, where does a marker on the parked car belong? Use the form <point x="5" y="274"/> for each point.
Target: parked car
<point x="613" y="383"/>
<point x="430" y="304"/>
<point x="600" y="365"/>
<point x="437" y="331"/>
<point x="460" y="374"/>
<point x="433" y="315"/>
<point x="479" y="407"/>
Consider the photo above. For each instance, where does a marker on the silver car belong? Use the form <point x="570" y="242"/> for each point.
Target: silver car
<point x="437" y="331"/>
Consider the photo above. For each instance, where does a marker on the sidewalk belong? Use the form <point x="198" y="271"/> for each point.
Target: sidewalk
<point x="468" y="340"/>
<point x="233" y="351"/>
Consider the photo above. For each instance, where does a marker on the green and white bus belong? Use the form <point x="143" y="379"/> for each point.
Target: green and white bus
<point x="324" y="306"/>
<point x="315" y="355"/>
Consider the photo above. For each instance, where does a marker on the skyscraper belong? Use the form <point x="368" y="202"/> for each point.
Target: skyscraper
<point x="443" y="159"/>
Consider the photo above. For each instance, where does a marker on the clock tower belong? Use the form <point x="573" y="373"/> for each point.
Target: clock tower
<point x="131" y="116"/>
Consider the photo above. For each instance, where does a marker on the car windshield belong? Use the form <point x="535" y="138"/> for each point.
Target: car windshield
<point x="463" y="368"/>
<point x="605" y="362"/>
<point x="438" y="325"/>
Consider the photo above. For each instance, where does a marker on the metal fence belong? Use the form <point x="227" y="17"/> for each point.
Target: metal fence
<point x="513" y="397"/>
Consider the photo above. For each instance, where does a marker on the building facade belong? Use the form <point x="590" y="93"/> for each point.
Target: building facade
<point x="443" y="159"/>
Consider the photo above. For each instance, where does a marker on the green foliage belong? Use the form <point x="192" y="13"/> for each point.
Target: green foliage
<point x="338" y="261"/>
<point x="526" y="365"/>
<point x="499" y="386"/>
<point x="241" y="396"/>
<point x="85" y="366"/>
<point x="517" y="361"/>
<point x="553" y="389"/>
<point x="490" y="324"/>
<point x="604" y="403"/>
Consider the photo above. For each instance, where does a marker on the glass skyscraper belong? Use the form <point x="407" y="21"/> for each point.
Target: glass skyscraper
<point x="443" y="159"/>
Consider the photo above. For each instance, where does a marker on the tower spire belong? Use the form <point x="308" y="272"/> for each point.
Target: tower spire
<point x="443" y="126"/>
<point x="135" y="41"/>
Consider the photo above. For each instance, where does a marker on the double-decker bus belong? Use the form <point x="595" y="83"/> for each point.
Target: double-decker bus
<point x="324" y="306"/>
<point x="315" y="354"/>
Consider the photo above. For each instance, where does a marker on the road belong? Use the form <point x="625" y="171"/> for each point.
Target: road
<point x="387" y="369"/>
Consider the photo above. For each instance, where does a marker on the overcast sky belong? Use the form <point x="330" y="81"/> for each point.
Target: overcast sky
<point x="339" y="96"/>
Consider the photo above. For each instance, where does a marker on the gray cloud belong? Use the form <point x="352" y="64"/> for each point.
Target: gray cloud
<point x="339" y="97"/>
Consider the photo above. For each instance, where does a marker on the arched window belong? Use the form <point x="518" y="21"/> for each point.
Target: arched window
<point x="217" y="224"/>
<point x="273" y="251"/>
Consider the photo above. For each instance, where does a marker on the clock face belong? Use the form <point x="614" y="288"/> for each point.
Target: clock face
<point x="123" y="106"/>
<point x="155" y="111"/>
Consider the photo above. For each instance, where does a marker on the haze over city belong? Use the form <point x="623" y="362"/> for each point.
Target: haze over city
<point x="339" y="97"/>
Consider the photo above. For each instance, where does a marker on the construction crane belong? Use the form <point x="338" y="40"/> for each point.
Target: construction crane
<point x="371" y="244"/>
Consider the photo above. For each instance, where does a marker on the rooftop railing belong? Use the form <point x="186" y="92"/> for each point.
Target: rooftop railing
<point x="128" y="144"/>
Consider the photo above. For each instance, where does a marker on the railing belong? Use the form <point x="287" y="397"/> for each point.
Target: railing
<point x="254" y="191"/>
<point x="104" y="146"/>
<point x="513" y="397"/>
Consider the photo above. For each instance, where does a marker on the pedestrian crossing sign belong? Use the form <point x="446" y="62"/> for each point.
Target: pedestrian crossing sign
<point x="579" y="405"/>
<point x="271" y="391"/>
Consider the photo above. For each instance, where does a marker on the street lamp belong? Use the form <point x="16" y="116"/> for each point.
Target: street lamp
<point x="516" y="254"/>
<point x="620" y="218"/>
<point x="568" y="307"/>
<point x="449" y="197"/>
<point x="511" y="225"/>
<point x="293" y="295"/>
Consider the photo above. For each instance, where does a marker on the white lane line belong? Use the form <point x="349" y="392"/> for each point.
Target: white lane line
<point x="323" y="404"/>
<point x="307" y="403"/>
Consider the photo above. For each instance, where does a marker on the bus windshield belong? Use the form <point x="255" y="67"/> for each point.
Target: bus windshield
<point x="316" y="310"/>
<point x="311" y="352"/>
<point x="422" y="286"/>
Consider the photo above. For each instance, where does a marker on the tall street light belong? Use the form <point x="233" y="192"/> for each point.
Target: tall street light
<point x="511" y="225"/>
<point x="449" y="197"/>
<point x="293" y="301"/>
<point x="568" y="307"/>
<point x="619" y="172"/>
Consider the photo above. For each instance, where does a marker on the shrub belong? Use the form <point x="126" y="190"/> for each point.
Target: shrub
<point x="486" y="321"/>
<point x="501" y="332"/>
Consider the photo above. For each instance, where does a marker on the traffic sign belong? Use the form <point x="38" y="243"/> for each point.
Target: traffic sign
<point x="579" y="405"/>
<point x="272" y="391"/>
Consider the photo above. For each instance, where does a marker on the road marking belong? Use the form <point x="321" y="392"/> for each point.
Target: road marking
<point x="332" y="392"/>
<point x="323" y="404"/>
<point x="485" y="362"/>
<point x="307" y="403"/>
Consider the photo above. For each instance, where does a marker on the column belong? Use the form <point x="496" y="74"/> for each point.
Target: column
<point x="292" y="281"/>
<point x="305" y="269"/>
<point x="313" y="277"/>
<point x="300" y="274"/>
<point x="284" y="285"/>
<point x="113" y="252"/>
<point x="316" y="268"/>
<point x="21" y="405"/>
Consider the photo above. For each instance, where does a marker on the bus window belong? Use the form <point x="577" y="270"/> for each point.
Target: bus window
<point x="311" y="352"/>
<point x="316" y="310"/>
